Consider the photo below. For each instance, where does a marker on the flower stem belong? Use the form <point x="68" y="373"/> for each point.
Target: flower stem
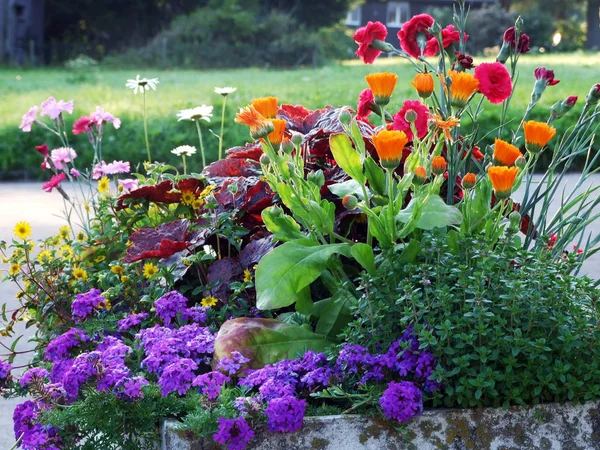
<point x="222" y="127"/>
<point x="392" y="218"/>
<point x="201" y="143"/>
<point x="184" y="165"/>
<point x="146" y="129"/>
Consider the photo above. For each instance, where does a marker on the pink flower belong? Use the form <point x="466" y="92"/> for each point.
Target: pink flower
<point x="511" y="39"/>
<point x="28" y="119"/>
<point x="102" y="169"/>
<point x="541" y="73"/>
<point x="129" y="184"/>
<point x="422" y="112"/>
<point x="365" y="36"/>
<point x="82" y="125"/>
<point x="54" y="182"/>
<point x="365" y="101"/>
<point x="449" y="37"/>
<point x="494" y="81"/>
<point x="101" y="116"/>
<point x="53" y="108"/>
<point x="61" y="156"/>
<point x="75" y="173"/>
<point x="413" y="35"/>
<point x="42" y="149"/>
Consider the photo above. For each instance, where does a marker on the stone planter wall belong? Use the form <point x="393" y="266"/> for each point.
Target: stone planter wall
<point x="548" y="427"/>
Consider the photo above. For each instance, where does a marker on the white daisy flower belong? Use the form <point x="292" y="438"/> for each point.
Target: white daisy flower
<point x="184" y="150"/>
<point x="142" y="84"/>
<point x="203" y="112"/>
<point x="225" y="91"/>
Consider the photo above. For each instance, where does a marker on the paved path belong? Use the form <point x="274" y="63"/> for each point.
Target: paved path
<point x="29" y="203"/>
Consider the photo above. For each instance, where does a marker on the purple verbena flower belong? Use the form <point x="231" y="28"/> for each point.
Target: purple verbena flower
<point x="234" y="433"/>
<point x="169" y="305"/>
<point x="210" y="383"/>
<point x="401" y="401"/>
<point x="131" y="321"/>
<point x="36" y="373"/>
<point x="132" y="388"/>
<point x="5" y="369"/>
<point x="177" y="377"/>
<point x="232" y="364"/>
<point x="86" y="303"/>
<point x="285" y="414"/>
<point x="60" y="347"/>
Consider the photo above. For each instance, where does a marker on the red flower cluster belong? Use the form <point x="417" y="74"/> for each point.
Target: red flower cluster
<point x="511" y="39"/>
<point x="414" y="33"/>
<point x="449" y="37"/>
<point x="366" y="101"/>
<point x="365" y="36"/>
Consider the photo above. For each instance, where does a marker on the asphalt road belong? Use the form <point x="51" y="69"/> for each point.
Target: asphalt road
<point x="27" y="202"/>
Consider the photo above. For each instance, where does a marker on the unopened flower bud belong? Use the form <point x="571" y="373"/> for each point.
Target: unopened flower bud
<point x="562" y="107"/>
<point x="317" y="178"/>
<point x="382" y="46"/>
<point x="515" y="219"/>
<point x="410" y="116"/>
<point x="438" y="165"/>
<point x="350" y="202"/>
<point x="469" y="181"/>
<point x="265" y="160"/>
<point x="287" y="146"/>
<point x="593" y="96"/>
<point x="520" y="162"/>
<point x="345" y="117"/>
<point x="276" y="211"/>
<point x="233" y="188"/>
<point x="420" y="176"/>
<point x="297" y="138"/>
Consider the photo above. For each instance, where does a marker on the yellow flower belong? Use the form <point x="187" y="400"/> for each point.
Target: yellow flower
<point x="207" y="191"/>
<point x="29" y="245"/>
<point x="117" y="270"/>
<point x="103" y="185"/>
<point x="423" y="83"/>
<point x="389" y="146"/>
<point x="64" y="232"/>
<point x="503" y="180"/>
<point x="150" y="270"/>
<point x="198" y="203"/>
<point x="79" y="273"/>
<point x="22" y="230"/>
<point x="505" y="154"/>
<point x="537" y="135"/>
<point x="66" y="252"/>
<point x="100" y="258"/>
<point x="207" y="302"/>
<point x="124" y="279"/>
<point x="105" y="304"/>
<point x="382" y="85"/>
<point x="14" y="269"/>
<point x="267" y="106"/>
<point x="44" y="257"/>
<point x="247" y="276"/>
<point x="463" y="86"/>
<point x="187" y="197"/>
<point x="81" y="236"/>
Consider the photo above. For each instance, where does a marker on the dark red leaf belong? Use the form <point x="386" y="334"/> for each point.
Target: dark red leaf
<point x="222" y="272"/>
<point x="255" y="250"/>
<point x="160" y="242"/>
<point x="232" y="167"/>
<point x="252" y="150"/>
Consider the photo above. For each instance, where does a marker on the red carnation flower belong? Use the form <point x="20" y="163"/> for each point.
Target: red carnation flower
<point x="42" y="149"/>
<point x="572" y="99"/>
<point x="365" y="36"/>
<point x="494" y="81"/>
<point x="449" y="37"/>
<point x="541" y="73"/>
<point x="82" y="125"/>
<point x="54" y="182"/>
<point x="466" y="61"/>
<point x="414" y="34"/>
<point x="422" y="112"/>
<point x="511" y="39"/>
<point x="365" y="101"/>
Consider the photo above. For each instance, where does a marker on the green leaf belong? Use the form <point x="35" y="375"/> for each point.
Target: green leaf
<point x="410" y="252"/>
<point x="452" y="240"/>
<point x="357" y="138"/>
<point x="363" y="254"/>
<point x="375" y="175"/>
<point x="349" y="187"/>
<point x="434" y="213"/>
<point x="346" y="157"/>
<point x="266" y="341"/>
<point x="285" y="271"/>
<point x="283" y="227"/>
<point x="334" y="315"/>
<point x="304" y="304"/>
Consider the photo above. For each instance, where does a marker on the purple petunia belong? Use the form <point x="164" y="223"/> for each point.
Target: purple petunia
<point x="86" y="303"/>
<point x="169" y="305"/>
<point x="285" y="414"/>
<point x="401" y="401"/>
<point x="131" y="321"/>
<point x="234" y="433"/>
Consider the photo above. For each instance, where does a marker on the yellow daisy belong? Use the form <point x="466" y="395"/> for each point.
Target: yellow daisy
<point x="64" y="232"/>
<point x="79" y="273"/>
<point x="66" y="252"/>
<point x="247" y="276"/>
<point x="150" y="270"/>
<point x="22" y="230"/>
<point x="117" y="270"/>
<point x="44" y="257"/>
<point x="207" y="302"/>
<point x="14" y="269"/>
<point x="103" y="185"/>
<point x="100" y="258"/>
<point x="81" y="236"/>
<point x="187" y="197"/>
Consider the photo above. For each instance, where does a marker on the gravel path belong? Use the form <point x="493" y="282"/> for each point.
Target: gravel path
<point x="26" y="201"/>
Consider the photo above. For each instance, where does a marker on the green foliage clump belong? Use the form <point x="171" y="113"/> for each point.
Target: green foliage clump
<point x="509" y="327"/>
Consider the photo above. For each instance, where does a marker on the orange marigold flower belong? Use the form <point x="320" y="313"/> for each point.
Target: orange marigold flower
<point x="438" y="165"/>
<point x="382" y="85"/>
<point x="505" y="154"/>
<point x="537" y="135"/>
<point x="423" y="83"/>
<point x="389" y="145"/>
<point x="503" y="180"/>
<point x="267" y="106"/>
<point x="445" y="125"/>
<point x="259" y="126"/>
<point x="463" y="86"/>
<point x="469" y="180"/>
<point x="276" y="136"/>
<point x="420" y="175"/>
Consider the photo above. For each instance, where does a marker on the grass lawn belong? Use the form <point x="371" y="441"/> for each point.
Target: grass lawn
<point x="336" y="84"/>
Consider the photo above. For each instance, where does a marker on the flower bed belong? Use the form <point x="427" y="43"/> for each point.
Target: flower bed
<point x="341" y="262"/>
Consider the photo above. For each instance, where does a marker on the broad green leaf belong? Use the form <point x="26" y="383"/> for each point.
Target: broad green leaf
<point x="434" y="213"/>
<point x="452" y="240"/>
<point x="363" y="254"/>
<point x="286" y="270"/>
<point x="334" y="315"/>
<point x="346" y="157"/>
<point x="375" y="175"/>
<point x="266" y="341"/>
<point x="304" y="304"/>
<point x="283" y="227"/>
<point x="357" y="138"/>
<point x="349" y="187"/>
<point x="410" y="252"/>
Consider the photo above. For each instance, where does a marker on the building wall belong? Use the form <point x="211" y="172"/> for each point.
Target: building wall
<point x="21" y="31"/>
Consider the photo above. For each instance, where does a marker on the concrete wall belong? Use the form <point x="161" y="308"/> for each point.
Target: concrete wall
<point x="548" y="427"/>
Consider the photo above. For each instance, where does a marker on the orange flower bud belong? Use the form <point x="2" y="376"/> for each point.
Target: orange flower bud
<point x="469" y="180"/>
<point x="438" y="165"/>
<point x="423" y="83"/>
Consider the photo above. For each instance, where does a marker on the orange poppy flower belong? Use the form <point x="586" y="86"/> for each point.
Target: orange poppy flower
<point x="382" y="85"/>
<point x="259" y="126"/>
<point x="503" y="180"/>
<point x="463" y="86"/>
<point x="267" y="106"/>
<point x="505" y="154"/>
<point x="469" y="181"/>
<point x="439" y="165"/>
<point x="389" y="145"/>
<point x="537" y="135"/>
<point x="423" y="83"/>
<point x="276" y="137"/>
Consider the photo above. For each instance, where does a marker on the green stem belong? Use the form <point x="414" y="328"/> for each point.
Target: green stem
<point x="222" y="127"/>
<point x="146" y="129"/>
<point x="201" y="143"/>
<point x="392" y="219"/>
<point x="184" y="165"/>
<point x="383" y="122"/>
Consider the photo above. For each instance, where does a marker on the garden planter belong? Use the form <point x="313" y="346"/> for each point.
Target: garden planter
<point x="552" y="426"/>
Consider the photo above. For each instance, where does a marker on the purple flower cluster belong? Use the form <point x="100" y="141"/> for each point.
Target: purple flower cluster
<point x="234" y="433"/>
<point x="131" y="388"/>
<point x="233" y="364"/>
<point x="60" y="347"/>
<point x="133" y="320"/>
<point x="86" y="303"/>
<point x="5" y="369"/>
<point x="33" y="435"/>
<point x="178" y="376"/>
<point x="285" y="414"/>
<point x="401" y="401"/>
<point x="169" y="305"/>
<point x="37" y="373"/>
<point x="210" y="383"/>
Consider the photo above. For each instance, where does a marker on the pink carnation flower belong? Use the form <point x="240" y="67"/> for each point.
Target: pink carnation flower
<point x="102" y="169"/>
<point x="61" y="156"/>
<point x="42" y="149"/>
<point x="422" y="112"/>
<point x="82" y="125"/>
<point x="75" y="173"/>
<point x="365" y="101"/>
<point x="129" y="184"/>
<point x="28" y="119"/>
<point x="100" y="116"/>
<point x="54" y="182"/>
<point x="53" y="108"/>
<point x="449" y="37"/>
<point x="414" y="33"/>
<point x="547" y="75"/>
<point x="365" y="36"/>
<point x="494" y="81"/>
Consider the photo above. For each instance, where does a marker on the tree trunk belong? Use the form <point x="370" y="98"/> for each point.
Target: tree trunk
<point x="593" y="24"/>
